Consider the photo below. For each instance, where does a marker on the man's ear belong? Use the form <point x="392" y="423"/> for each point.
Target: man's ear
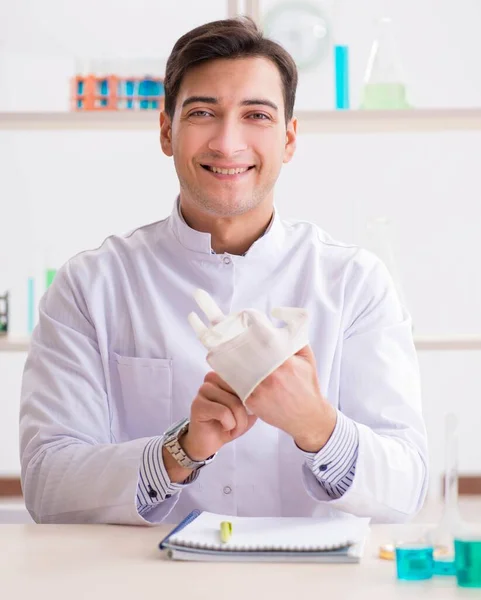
<point x="291" y="140"/>
<point x="166" y="134"/>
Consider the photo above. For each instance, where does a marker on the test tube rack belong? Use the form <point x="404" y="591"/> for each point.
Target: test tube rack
<point x="112" y="92"/>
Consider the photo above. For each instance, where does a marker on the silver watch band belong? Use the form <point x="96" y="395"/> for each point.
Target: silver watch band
<point x="172" y="445"/>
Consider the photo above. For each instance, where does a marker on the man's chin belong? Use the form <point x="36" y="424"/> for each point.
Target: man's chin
<point x="227" y="207"/>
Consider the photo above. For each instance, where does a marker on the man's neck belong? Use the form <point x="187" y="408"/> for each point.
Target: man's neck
<point x="234" y="235"/>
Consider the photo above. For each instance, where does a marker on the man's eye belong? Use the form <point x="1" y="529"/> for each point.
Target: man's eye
<point x="200" y="113"/>
<point x="260" y="117"/>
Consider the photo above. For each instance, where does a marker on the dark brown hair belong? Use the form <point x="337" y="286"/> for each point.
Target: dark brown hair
<point x="228" y="38"/>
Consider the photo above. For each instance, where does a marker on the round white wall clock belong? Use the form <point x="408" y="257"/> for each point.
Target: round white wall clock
<point x="302" y="29"/>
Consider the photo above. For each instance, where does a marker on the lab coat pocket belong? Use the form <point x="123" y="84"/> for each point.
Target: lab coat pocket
<point x="142" y="403"/>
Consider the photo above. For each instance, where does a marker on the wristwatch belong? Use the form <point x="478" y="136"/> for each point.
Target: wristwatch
<point x="171" y="443"/>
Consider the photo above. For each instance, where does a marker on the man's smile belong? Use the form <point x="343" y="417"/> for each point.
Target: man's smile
<point x="229" y="173"/>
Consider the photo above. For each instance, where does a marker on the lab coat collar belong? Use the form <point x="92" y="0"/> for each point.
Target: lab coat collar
<point x="200" y="242"/>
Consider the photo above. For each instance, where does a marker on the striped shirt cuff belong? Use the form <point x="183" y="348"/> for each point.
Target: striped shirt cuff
<point x="334" y="466"/>
<point x="154" y="482"/>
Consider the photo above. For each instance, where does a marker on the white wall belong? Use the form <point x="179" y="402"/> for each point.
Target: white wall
<point x="64" y="191"/>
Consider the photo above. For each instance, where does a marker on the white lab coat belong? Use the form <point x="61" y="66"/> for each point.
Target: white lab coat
<point x="113" y="361"/>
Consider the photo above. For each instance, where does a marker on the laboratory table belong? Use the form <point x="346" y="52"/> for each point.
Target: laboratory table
<point x="120" y="562"/>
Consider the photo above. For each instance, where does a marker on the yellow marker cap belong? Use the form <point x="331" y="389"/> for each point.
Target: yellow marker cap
<point x="225" y="531"/>
<point x="387" y="552"/>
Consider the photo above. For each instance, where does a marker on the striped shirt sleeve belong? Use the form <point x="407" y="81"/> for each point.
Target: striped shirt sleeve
<point x="334" y="466"/>
<point x="154" y="483"/>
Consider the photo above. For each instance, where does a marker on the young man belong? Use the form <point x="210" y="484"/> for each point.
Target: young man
<point x="121" y="422"/>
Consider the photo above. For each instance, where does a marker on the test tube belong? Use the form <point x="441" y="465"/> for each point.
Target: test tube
<point x="145" y="91"/>
<point x="341" y="71"/>
<point x="80" y="92"/>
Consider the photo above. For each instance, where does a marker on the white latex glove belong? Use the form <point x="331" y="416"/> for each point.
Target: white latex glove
<point x="245" y="347"/>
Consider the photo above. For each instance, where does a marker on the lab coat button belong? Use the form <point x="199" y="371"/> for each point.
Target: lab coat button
<point x="227" y="489"/>
<point x="152" y="493"/>
<point x="227" y="260"/>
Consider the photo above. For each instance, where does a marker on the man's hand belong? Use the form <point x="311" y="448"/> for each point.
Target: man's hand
<point x="290" y="399"/>
<point x="217" y="416"/>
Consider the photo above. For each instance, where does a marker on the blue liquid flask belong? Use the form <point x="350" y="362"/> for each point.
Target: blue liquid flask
<point x="414" y="561"/>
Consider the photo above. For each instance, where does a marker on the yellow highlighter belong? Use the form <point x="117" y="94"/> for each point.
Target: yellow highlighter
<point x="225" y="531"/>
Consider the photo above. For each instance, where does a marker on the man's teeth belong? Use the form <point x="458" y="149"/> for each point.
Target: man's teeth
<point x="228" y="171"/>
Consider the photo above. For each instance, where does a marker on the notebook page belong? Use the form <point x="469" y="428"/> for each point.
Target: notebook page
<point x="271" y="533"/>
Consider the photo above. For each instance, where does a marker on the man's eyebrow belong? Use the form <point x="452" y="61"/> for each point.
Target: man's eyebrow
<point x="204" y="99"/>
<point x="213" y="100"/>
<point x="257" y="101"/>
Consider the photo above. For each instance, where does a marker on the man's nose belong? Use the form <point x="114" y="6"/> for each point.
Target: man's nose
<point x="228" y="138"/>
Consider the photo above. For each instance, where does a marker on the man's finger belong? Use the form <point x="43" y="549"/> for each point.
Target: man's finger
<point x="213" y="377"/>
<point x="308" y="354"/>
<point x="251" y="421"/>
<point x="218" y="412"/>
<point x="214" y="393"/>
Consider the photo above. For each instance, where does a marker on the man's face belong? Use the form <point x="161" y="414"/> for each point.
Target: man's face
<point x="229" y="115"/>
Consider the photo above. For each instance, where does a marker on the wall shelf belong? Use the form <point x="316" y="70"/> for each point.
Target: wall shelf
<point x="455" y="342"/>
<point x="351" y="121"/>
<point x="459" y="342"/>
<point x="14" y="344"/>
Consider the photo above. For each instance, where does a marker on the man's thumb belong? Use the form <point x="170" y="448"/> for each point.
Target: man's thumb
<point x="307" y="353"/>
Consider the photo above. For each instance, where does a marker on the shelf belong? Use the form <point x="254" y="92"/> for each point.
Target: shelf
<point x="455" y="342"/>
<point x="392" y="121"/>
<point x="113" y="121"/>
<point x="350" y="121"/>
<point x="14" y="344"/>
<point x="459" y="342"/>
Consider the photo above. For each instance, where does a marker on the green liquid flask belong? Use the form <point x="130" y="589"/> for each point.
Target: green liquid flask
<point x="468" y="562"/>
<point x="384" y="96"/>
<point x="384" y="87"/>
<point x="49" y="277"/>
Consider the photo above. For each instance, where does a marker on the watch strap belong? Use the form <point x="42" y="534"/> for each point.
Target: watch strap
<point x="173" y="446"/>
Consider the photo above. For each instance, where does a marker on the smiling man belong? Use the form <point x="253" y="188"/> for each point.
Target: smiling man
<point x="229" y="133"/>
<point x="121" y="422"/>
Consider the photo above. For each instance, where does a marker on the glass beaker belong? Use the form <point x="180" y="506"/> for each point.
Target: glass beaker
<point x="384" y="87"/>
<point x="468" y="561"/>
<point x="414" y="561"/>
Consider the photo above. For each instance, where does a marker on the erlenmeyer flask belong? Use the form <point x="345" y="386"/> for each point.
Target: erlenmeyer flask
<point x="379" y="234"/>
<point x="450" y="524"/>
<point x="384" y="86"/>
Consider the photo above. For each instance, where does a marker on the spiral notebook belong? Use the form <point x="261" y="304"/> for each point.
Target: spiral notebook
<point x="289" y="539"/>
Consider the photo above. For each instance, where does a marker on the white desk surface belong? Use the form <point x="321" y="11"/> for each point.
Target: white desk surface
<point x="87" y="562"/>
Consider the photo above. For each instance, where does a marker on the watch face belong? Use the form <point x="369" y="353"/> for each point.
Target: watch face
<point x="302" y="29"/>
